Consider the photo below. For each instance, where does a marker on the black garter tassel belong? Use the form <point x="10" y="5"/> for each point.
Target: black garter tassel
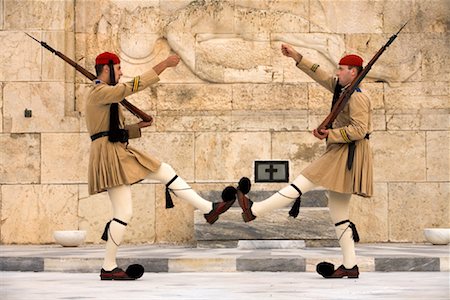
<point x="354" y="231"/>
<point x="295" y="210"/>
<point x="352" y="227"/>
<point x="169" y="202"/>
<point x="105" y="233"/>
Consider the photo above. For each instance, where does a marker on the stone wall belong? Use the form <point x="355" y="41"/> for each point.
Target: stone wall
<point x="232" y="100"/>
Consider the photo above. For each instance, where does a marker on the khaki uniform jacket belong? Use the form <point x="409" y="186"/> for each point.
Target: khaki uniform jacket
<point x="352" y="124"/>
<point x="114" y="164"/>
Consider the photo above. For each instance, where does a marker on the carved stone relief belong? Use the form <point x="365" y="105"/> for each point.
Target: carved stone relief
<point x="223" y="42"/>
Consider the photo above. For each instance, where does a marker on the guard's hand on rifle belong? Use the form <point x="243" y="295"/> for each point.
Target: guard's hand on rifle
<point x="322" y="134"/>
<point x="143" y="124"/>
<point x="288" y="51"/>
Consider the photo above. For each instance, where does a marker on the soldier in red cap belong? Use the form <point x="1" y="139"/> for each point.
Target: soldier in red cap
<point x="114" y="165"/>
<point x="344" y="169"/>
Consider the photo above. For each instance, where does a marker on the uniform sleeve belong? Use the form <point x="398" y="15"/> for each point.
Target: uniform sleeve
<point x="317" y="73"/>
<point x="133" y="131"/>
<point x="107" y="94"/>
<point x="359" y="110"/>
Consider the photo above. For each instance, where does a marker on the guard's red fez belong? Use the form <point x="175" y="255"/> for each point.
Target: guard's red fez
<point x="105" y="57"/>
<point x="351" y="60"/>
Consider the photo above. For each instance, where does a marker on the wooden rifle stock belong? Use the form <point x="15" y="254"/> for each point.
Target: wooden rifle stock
<point x="125" y="103"/>
<point x="345" y="96"/>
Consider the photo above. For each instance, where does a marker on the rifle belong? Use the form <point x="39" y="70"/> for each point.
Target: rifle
<point x="345" y="96"/>
<point x="125" y="103"/>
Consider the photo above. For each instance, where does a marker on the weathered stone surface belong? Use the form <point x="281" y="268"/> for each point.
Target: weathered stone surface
<point x="19" y="67"/>
<point x="399" y="156"/>
<point x="175" y="149"/>
<point x="38" y="14"/>
<point x="269" y="120"/>
<point x="415" y="206"/>
<point x="24" y="264"/>
<point x="261" y="264"/>
<point x="1" y="107"/>
<point x="331" y="16"/>
<point x="47" y="102"/>
<point x="413" y="97"/>
<point x="20" y="158"/>
<point x="300" y="148"/>
<point x="297" y="7"/>
<point x="311" y="224"/>
<point x="185" y="121"/>
<point x="229" y="155"/>
<point x="30" y="213"/>
<point x="270" y="97"/>
<point x="403" y="264"/>
<point x="55" y="166"/>
<point x="433" y="16"/>
<point x="437" y="155"/>
<point x="195" y="97"/>
<point x="1" y="16"/>
<point x="436" y="65"/>
<point x="53" y="67"/>
<point x="426" y="119"/>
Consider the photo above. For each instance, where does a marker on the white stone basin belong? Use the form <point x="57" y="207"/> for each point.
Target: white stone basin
<point x="69" y="238"/>
<point x="437" y="236"/>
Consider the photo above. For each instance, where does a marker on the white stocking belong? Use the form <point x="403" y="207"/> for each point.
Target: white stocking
<point x="283" y="197"/>
<point x="120" y="197"/>
<point x="339" y="205"/>
<point x="180" y="188"/>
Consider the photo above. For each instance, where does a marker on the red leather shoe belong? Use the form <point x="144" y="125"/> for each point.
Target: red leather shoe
<point x="342" y="272"/>
<point x="218" y="209"/>
<point x="116" y="274"/>
<point x="246" y="205"/>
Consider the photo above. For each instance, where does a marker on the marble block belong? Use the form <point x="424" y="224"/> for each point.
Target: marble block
<point x="311" y="224"/>
<point x="271" y="244"/>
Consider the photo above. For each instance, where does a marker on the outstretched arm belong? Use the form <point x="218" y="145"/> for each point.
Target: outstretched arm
<point x="288" y="51"/>
<point x="171" y="61"/>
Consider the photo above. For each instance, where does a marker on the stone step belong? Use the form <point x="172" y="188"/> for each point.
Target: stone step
<point x="313" y="226"/>
<point x="270" y="244"/>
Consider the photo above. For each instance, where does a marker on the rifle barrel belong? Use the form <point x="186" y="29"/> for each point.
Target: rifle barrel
<point x="130" y="107"/>
<point x="343" y="99"/>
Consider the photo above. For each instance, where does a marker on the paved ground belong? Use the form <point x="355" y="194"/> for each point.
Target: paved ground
<point x="389" y="271"/>
<point x="370" y="257"/>
<point x="229" y="286"/>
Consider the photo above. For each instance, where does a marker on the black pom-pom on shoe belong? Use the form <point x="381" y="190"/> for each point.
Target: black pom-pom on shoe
<point x="325" y="269"/>
<point x="135" y="271"/>
<point x="229" y="194"/>
<point x="244" y="185"/>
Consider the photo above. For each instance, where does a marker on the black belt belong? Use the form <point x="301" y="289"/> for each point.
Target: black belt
<point x="99" y="135"/>
<point x="351" y="152"/>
